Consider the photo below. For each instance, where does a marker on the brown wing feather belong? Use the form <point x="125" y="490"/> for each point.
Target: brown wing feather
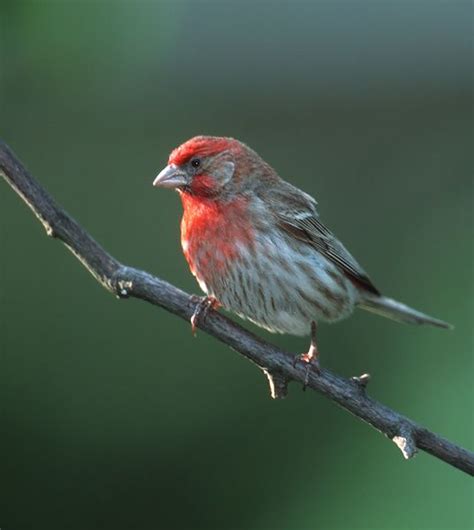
<point x="296" y="213"/>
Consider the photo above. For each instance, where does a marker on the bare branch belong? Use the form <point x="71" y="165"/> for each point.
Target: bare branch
<point x="126" y="282"/>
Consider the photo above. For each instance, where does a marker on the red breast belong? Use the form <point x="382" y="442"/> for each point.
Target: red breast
<point x="212" y="233"/>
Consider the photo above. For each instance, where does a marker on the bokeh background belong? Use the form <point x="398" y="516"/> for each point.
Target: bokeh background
<point x="113" y="415"/>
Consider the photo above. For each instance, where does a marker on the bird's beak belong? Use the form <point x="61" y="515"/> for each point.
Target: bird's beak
<point x="171" y="177"/>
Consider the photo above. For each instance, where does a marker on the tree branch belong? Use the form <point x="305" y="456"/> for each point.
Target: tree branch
<point x="124" y="281"/>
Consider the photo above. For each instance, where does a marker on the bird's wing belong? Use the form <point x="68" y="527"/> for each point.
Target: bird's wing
<point x="296" y="213"/>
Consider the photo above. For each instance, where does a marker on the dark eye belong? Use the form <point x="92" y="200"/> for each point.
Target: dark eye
<point x="195" y="162"/>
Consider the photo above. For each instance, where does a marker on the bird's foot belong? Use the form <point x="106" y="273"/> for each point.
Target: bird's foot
<point x="311" y="357"/>
<point x="204" y="304"/>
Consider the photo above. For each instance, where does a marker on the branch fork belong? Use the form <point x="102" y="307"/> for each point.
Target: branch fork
<point x="405" y="441"/>
<point x="278" y="383"/>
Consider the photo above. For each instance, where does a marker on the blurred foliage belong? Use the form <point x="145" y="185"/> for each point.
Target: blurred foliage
<point x="114" y="416"/>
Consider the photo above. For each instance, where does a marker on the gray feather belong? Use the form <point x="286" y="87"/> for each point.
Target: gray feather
<point x="387" y="307"/>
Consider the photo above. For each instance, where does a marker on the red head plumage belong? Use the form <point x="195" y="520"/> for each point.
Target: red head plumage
<point x="200" y="146"/>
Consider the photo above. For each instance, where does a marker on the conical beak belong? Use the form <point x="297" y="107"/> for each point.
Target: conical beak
<point x="171" y="177"/>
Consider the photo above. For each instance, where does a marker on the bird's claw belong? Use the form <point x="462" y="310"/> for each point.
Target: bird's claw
<point x="311" y="362"/>
<point x="202" y="308"/>
<point x="311" y="357"/>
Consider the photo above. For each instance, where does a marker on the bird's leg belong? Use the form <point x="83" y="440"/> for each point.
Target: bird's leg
<point x="311" y="358"/>
<point x="202" y="308"/>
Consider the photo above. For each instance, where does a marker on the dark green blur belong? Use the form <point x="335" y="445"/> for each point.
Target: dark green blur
<point x="113" y="415"/>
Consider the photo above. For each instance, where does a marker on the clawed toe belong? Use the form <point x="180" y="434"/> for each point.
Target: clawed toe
<point x="311" y="362"/>
<point x="308" y="358"/>
<point x="201" y="310"/>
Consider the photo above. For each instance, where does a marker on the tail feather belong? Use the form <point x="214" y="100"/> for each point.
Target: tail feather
<point x="390" y="308"/>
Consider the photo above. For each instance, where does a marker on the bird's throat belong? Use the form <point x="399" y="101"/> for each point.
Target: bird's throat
<point x="213" y="233"/>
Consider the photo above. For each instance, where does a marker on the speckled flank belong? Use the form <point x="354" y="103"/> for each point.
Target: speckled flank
<point x="266" y="285"/>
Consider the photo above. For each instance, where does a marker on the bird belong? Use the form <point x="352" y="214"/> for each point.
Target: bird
<point x="258" y="248"/>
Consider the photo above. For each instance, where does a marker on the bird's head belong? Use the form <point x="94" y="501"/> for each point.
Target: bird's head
<point x="210" y="166"/>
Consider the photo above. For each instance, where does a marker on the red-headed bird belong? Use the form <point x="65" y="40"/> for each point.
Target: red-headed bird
<point x="257" y="247"/>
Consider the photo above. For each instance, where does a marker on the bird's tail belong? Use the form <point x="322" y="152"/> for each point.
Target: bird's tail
<point x="390" y="308"/>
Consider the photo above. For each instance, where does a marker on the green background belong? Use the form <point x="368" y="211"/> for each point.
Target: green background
<point x="113" y="415"/>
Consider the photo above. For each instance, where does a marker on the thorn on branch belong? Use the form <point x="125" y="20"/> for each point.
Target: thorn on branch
<point x="361" y="381"/>
<point x="405" y="441"/>
<point x="278" y="384"/>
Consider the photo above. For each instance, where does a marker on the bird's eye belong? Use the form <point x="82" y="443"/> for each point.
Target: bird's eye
<point x="195" y="162"/>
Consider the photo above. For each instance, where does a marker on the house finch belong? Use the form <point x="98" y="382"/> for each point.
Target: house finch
<point x="257" y="247"/>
